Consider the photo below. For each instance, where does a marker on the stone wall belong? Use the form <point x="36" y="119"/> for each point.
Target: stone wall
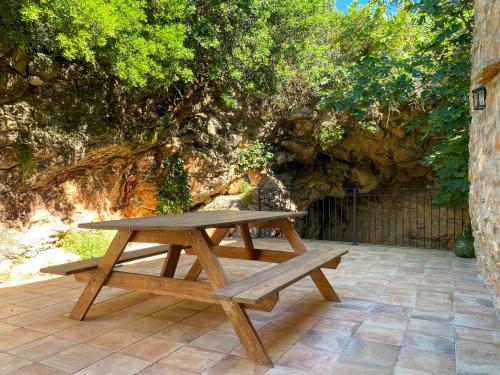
<point x="484" y="147"/>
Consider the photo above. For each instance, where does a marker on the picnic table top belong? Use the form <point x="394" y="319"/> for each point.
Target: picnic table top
<point x="192" y="220"/>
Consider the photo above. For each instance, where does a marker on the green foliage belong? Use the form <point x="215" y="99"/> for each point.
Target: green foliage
<point x="255" y="156"/>
<point x="247" y="190"/>
<point x="450" y="160"/>
<point x="415" y="58"/>
<point x="330" y="132"/>
<point x="446" y="61"/>
<point x="246" y="44"/>
<point x="174" y="196"/>
<point x="18" y="260"/>
<point x="142" y="40"/>
<point x="27" y="163"/>
<point x="372" y="71"/>
<point x="256" y="45"/>
<point x="229" y="101"/>
<point x="88" y="244"/>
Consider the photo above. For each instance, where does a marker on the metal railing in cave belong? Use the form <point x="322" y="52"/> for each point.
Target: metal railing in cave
<point x="385" y="216"/>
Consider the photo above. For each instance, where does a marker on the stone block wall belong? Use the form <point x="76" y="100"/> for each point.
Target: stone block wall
<point x="484" y="146"/>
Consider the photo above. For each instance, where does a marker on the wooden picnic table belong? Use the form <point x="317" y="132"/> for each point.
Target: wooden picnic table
<point x="199" y="234"/>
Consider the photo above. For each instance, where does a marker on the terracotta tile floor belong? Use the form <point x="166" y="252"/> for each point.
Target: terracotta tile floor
<point x="403" y="311"/>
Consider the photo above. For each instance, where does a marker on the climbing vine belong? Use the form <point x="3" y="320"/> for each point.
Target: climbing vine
<point x="174" y="196"/>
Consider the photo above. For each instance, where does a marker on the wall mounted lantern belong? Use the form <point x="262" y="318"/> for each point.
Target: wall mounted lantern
<point x="479" y="97"/>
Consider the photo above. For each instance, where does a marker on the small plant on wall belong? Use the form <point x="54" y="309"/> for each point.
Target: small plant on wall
<point x="174" y="196"/>
<point x="255" y="156"/>
<point x="254" y="159"/>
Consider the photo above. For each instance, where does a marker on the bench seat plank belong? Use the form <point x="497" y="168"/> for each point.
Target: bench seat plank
<point x="91" y="264"/>
<point x="281" y="281"/>
<point x="271" y="280"/>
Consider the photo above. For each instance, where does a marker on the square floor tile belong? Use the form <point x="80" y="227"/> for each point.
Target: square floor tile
<point x="38" y="369"/>
<point x="116" y="339"/>
<point x="54" y="324"/>
<point x="116" y="364"/>
<point x="4" y="327"/>
<point x="435" y="316"/>
<point x="327" y="341"/>
<point x="370" y="353"/>
<point x="157" y="369"/>
<point x="283" y="370"/>
<point x="346" y="314"/>
<point x="344" y="327"/>
<point x="478" y="321"/>
<point x="28" y="318"/>
<point x="429" y="343"/>
<point x="118" y="318"/>
<point x="42" y="348"/>
<point x="205" y="319"/>
<point x="476" y="334"/>
<point x="184" y="333"/>
<point x="427" y="362"/>
<point x="18" y="337"/>
<point x="478" y="350"/>
<point x="431" y="328"/>
<point x="235" y="365"/>
<point x="147" y="325"/>
<point x="305" y="358"/>
<point x="218" y="341"/>
<point x="345" y="367"/>
<point x="174" y="313"/>
<point x="151" y="348"/>
<point x="378" y="333"/>
<point x="75" y="358"/>
<point x="9" y="363"/>
<point x="192" y="359"/>
<point x="84" y="331"/>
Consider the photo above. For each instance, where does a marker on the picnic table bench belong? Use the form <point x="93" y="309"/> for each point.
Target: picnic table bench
<point x="200" y="234"/>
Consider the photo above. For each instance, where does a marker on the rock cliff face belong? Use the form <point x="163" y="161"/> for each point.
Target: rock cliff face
<point x="484" y="146"/>
<point x="75" y="144"/>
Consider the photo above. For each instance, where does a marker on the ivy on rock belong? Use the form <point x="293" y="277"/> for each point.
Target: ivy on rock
<point x="173" y="196"/>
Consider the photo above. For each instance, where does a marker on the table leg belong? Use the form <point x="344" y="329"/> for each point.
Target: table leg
<point x="247" y="240"/>
<point x="100" y="275"/>
<point x="202" y="246"/>
<point x="195" y="270"/>
<point x="298" y="247"/>
<point x="171" y="261"/>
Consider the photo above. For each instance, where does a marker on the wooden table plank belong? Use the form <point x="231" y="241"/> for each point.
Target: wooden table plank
<point x="163" y="286"/>
<point x="192" y="220"/>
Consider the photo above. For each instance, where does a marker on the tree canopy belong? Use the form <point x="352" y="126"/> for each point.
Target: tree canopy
<point x="372" y="60"/>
